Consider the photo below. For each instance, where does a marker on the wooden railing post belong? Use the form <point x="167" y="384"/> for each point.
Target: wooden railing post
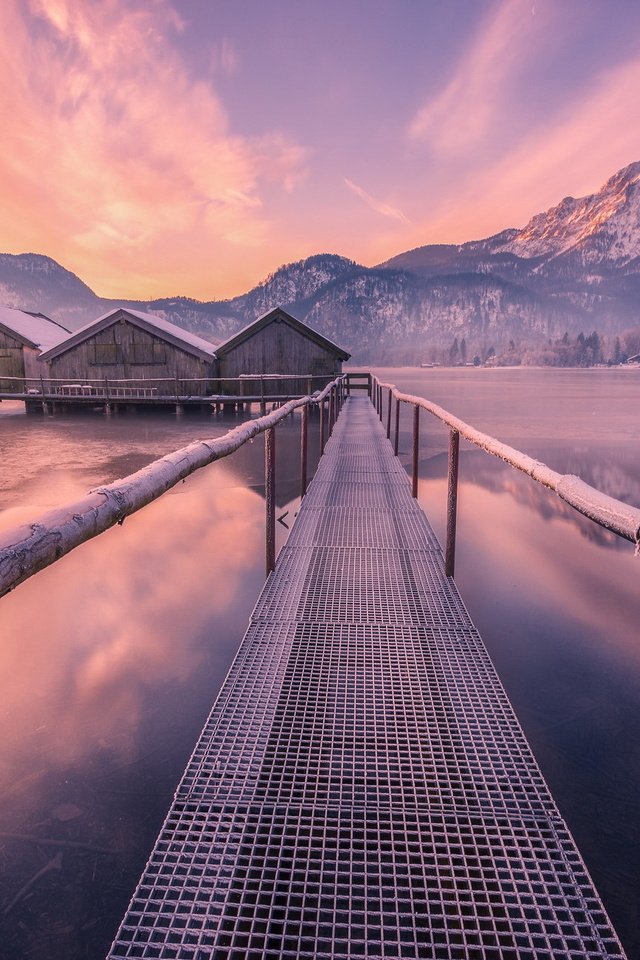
<point x="304" y="447"/>
<point x="452" y="503"/>
<point x="45" y="405"/>
<point x="416" y="445"/>
<point x="270" y="497"/>
<point x="321" y="427"/>
<point x="397" y="438"/>
<point x="389" y="414"/>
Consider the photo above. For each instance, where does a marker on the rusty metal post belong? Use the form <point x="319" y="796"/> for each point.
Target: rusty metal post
<point x="321" y="427"/>
<point x="270" y="497"/>
<point x="304" y="447"/>
<point x="397" y="439"/>
<point x="452" y="504"/>
<point x="416" y="446"/>
<point x="389" y="414"/>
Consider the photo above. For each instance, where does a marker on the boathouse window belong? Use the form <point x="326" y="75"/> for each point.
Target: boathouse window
<point x="149" y="352"/>
<point x="106" y="353"/>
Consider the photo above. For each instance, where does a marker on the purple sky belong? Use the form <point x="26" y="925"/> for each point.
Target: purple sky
<point x="159" y="148"/>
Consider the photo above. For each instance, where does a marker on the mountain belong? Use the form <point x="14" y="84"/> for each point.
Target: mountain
<point x="583" y="254"/>
<point x="30" y="281"/>
<point x="573" y="268"/>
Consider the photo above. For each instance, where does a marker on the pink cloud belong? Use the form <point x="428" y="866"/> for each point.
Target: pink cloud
<point x="116" y="146"/>
<point x="472" y="103"/>
<point x="574" y="153"/>
<point x="384" y="209"/>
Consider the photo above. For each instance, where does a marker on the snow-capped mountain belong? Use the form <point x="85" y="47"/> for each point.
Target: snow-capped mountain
<point x="583" y="253"/>
<point x="575" y="267"/>
<point x="602" y="228"/>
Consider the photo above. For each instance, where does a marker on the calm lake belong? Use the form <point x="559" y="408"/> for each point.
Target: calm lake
<point x="112" y="658"/>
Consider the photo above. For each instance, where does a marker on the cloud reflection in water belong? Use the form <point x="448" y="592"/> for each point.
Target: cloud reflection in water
<point x="90" y="643"/>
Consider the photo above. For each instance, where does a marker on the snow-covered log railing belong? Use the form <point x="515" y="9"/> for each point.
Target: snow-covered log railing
<point x="30" y="547"/>
<point x="620" y="518"/>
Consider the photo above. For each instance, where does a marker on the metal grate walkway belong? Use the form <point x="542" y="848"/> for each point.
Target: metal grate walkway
<point x="362" y="787"/>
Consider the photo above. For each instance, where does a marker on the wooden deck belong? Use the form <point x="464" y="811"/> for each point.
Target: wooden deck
<point x="74" y="396"/>
<point x="362" y="787"/>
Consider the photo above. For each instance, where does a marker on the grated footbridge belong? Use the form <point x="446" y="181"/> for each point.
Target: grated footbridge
<point x="362" y="787"/>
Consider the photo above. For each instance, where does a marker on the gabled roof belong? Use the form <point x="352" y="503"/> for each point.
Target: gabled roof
<point x="163" y="329"/>
<point x="279" y="315"/>
<point x="33" y="329"/>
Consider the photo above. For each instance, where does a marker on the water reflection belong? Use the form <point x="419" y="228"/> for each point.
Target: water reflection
<point x="111" y="659"/>
<point x="109" y="663"/>
<point x="558" y="610"/>
<point x="621" y="479"/>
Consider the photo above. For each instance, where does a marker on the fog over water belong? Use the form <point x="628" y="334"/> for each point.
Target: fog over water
<point x="112" y="657"/>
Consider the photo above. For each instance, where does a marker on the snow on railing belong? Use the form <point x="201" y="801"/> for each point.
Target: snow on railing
<point x="31" y="547"/>
<point x="620" y="518"/>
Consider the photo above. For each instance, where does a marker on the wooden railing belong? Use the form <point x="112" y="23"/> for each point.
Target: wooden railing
<point x="104" y="389"/>
<point x="621" y="518"/>
<point x="29" y="548"/>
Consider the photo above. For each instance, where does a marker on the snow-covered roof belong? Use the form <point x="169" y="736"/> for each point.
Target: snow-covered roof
<point x="278" y="314"/>
<point x="34" y="329"/>
<point x="166" y="330"/>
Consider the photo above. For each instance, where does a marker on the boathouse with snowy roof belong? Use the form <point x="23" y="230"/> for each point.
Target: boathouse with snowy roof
<point x="129" y="344"/>
<point x="279" y="344"/>
<point x="23" y="337"/>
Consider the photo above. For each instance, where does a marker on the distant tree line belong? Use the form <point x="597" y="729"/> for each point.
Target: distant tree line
<point x="584" y="350"/>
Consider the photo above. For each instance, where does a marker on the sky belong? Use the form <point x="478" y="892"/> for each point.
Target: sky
<point x="160" y="148"/>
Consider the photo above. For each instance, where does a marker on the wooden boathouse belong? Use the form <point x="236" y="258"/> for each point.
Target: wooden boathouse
<point x="23" y="337"/>
<point x="277" y="344"/>
<point x="129" y="344"/>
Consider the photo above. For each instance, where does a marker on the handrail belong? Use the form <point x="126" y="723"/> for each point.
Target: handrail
<point x="616" y="516"/>
<point x="31" y="547"/>
<point x="168" y="379"/>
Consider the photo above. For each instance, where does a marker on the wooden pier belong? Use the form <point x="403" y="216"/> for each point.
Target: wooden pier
<point x="362" y="787"/>
<point x="179" y="394"/>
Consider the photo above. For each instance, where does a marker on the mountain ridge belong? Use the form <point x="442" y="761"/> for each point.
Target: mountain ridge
<point x="574" y="267"/>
